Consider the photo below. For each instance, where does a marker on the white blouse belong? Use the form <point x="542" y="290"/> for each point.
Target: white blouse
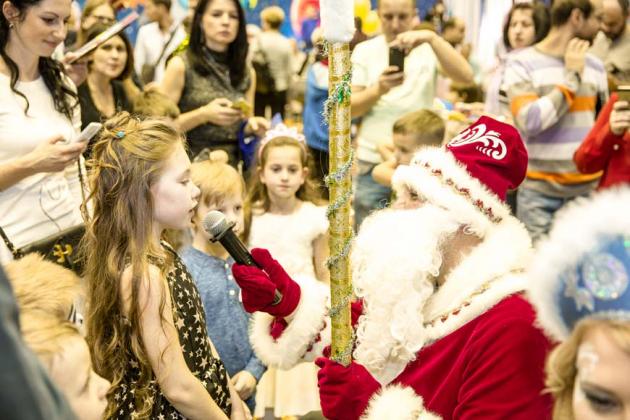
<point x="45" y="203"/>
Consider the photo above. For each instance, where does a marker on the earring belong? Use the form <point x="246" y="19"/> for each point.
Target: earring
<point x="11" y="25"/>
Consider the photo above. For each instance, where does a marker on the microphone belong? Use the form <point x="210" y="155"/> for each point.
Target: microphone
<point x="217" y="226"/>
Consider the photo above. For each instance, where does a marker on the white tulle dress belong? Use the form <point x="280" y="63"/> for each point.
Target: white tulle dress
<point x="289" y="238"/>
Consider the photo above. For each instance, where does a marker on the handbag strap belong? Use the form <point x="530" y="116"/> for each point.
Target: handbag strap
<point x="83" y="198"/>
<point x="16" y="252"/>
<point x="170" y="38"/>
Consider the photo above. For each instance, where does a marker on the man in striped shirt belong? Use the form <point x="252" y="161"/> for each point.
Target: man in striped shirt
<point x="554" y="89"/>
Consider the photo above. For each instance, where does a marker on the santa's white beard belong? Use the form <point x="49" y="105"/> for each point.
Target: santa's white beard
<point x="395" y="258"/>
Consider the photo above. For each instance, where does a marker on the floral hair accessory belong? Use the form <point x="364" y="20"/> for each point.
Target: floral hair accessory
<point x="120" y="134"/>
<point x="281" y="130"/>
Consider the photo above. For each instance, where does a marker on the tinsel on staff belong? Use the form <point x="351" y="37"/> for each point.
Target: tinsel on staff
<point x="338" y="28"/>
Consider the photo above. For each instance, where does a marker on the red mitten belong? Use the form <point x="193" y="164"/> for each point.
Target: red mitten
<point x="344" y="392"/>
<point x="257" y="289"/>
<point x="259" y="286"/>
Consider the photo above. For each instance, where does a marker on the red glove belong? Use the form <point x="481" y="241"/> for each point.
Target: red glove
<point x="344" y="392"/>
<point x="259" y="286"/>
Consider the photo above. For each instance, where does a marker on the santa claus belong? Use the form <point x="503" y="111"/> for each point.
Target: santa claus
<point x="442" y="327"/>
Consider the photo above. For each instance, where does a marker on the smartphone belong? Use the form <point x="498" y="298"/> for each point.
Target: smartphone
<point x="623" y="92"/>
<point x="88" y="132"/>
<point x="397" y="58"/>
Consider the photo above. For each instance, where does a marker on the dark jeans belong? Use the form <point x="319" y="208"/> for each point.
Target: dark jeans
<point x="369" y="195"/>
<point x="537" y="210"/>
<point x="276" y="100"/>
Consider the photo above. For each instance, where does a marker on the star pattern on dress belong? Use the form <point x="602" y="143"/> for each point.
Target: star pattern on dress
<point x="189" y="319"/>
<point x="179" y="323"/>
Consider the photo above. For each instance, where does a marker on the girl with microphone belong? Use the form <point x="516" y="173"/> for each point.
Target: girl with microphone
<point x="145" y="321"/>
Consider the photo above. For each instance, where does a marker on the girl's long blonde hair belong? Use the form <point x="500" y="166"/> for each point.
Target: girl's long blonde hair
<point x="561" y="365"/>
<point x="257" y="196"/>
<point x="127" y="161"/>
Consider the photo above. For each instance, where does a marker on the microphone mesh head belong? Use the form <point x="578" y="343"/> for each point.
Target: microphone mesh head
<point x="215" y="223"/>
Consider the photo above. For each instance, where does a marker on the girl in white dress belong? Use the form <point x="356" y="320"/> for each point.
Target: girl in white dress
<point x="287" y="220"/>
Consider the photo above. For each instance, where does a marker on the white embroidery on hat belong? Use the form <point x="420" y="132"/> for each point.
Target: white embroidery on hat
<point x="580" y="295"/>
<point x="492" y="147"/>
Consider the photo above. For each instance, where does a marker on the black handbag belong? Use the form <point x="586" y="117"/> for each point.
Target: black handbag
<point x="61" y="248"/>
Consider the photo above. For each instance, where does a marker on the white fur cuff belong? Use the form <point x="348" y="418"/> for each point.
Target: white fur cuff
<point x="293" y="345"/>
<point x="397" y="402"/>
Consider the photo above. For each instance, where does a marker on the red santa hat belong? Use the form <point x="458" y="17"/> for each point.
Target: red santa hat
<point x="470" y="175"/>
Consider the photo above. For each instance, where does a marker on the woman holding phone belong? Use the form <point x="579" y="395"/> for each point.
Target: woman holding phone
<point x="40" y="192"/>
<point x="211" y="78"/>
<point x="607" y="146"/>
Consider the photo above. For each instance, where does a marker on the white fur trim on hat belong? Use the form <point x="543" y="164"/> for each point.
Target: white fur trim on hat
<point x="436" y="189"/>
<point x="309" y="321"/>
<point x="397" y="402"/>
<point x="577" y="229"/>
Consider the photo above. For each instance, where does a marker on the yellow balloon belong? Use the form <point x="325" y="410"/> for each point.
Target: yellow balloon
<point x="371" y="23"/>
<point x="361" y="8"/>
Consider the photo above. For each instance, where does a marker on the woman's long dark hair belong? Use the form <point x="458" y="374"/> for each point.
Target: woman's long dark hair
<point x="64" y="98"/>
<point x="236" y="53"/>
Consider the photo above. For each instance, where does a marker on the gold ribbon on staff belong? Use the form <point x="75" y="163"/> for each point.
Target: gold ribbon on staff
<point x="337" y="112"/>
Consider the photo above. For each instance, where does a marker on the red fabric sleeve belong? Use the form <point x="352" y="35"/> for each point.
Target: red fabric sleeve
<point x="505" y="374"/>
<point x="595" y="151"/>
<point x="356" y="309"/>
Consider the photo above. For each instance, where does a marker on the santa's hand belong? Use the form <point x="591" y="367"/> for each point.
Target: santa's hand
<point x="344" y="391"/>
<point x="259" y="287"/>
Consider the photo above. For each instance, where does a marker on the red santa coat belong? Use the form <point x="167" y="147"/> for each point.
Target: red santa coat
<point x="490" y="368"/>
<point x="482" y="357"/>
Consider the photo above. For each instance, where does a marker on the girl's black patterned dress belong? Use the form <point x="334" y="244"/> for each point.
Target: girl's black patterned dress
<point x="189" y="318"/>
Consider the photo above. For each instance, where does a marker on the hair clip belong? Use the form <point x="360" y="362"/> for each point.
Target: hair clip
<point x="120" y="134"/>
<point x="281" y="130"/>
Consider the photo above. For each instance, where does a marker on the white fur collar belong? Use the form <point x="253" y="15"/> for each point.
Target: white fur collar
<point x="504" y="252"/>
<point x="506" y="248"/>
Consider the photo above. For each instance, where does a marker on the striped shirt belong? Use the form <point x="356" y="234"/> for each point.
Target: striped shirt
<point x="554" y="117"/>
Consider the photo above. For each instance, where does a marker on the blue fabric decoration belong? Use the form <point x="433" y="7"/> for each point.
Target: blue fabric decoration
<point x="247" y="145"/>
<point x="599" y="285"/>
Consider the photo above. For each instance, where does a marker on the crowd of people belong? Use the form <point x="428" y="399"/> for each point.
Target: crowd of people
<point x="491" y="200"/>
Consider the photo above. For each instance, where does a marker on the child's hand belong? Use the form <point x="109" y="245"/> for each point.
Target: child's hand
<point x="244" y="384"/>
<point x="385" y="149"/>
